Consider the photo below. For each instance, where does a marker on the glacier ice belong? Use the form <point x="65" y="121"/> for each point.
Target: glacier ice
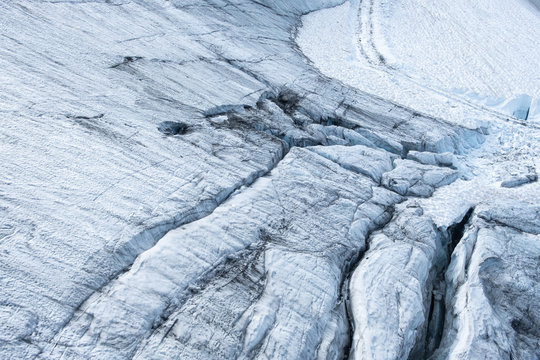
<point x="182" y="179"/>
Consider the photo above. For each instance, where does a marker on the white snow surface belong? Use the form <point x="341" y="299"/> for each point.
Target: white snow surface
<point x="446" y="58"/>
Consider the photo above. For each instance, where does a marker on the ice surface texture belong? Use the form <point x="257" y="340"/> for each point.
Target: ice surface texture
<point x="178" y="181"/>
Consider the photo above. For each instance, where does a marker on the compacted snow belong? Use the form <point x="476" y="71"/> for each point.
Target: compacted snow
<point x="436" y="57"/>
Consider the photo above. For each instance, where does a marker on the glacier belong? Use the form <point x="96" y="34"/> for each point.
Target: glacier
<point x="232" y="179"/>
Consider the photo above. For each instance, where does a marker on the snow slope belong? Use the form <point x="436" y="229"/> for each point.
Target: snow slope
<point x="446" y="58"/>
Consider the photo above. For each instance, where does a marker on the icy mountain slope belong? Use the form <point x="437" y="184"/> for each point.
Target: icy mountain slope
<point x="179" y="181"/>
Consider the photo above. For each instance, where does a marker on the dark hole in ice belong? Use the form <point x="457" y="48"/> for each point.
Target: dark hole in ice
<point x="458" y="230"/>
<point x="170" y="128"/>
<point x="287" y="100"/>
